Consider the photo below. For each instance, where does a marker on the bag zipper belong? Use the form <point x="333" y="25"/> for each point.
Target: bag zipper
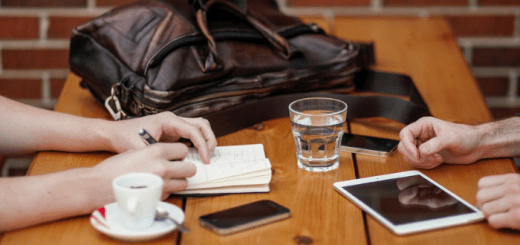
<point x="225" y="35"/>
<point x="152" y="109"/>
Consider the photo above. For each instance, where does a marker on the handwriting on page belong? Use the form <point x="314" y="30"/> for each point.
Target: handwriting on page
<point x="229" y="154"/>
<point x="228" y="161"/>
<point x="224" y="170"/>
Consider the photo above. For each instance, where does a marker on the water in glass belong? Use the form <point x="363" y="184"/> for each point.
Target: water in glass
<point x="317" y="140"/>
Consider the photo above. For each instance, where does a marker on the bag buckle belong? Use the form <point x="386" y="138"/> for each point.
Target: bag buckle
<point x="113" y="105"/>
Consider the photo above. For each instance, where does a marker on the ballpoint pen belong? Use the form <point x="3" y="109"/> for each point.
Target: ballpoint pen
<point x="148" y="139"/>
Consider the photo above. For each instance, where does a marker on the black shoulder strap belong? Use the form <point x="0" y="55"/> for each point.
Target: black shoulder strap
<point x="391" y="87"/>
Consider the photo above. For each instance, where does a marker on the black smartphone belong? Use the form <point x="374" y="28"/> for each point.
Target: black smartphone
<point x="368" y="145"/>
<point x="244" y="217"/>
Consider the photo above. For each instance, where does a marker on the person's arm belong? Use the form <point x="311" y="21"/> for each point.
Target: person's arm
<point x="431" y="141"/>
<point x="500" y="138"/>
<point x="26" y="129"/>
<point x="31" y="200"/>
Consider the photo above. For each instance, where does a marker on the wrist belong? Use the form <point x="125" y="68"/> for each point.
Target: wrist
<point x="103" y="132"/>
<point x="78" y="191"/>
<point x="500" y="138"/>
<point x="97" y="189"/>
<point x="483" y="134"/>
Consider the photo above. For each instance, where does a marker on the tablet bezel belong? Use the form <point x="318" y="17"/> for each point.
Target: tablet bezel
<point x="413" y="227"/>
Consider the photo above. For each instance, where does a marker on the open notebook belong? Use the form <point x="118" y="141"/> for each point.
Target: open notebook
<point x="232" y="169"/>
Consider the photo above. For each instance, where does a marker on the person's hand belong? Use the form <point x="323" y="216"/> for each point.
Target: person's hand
<point x="415" y="190"/>
<point x="429" y="142"/>
<point x="498" y="197"/>
<point x="165" y="127"/>
<point x="160" y="159"/>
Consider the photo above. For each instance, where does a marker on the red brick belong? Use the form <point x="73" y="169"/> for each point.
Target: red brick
<point x="518" y="90"/>
<point x="501" y="113"/>
<point x="35" y="59"/>
<point x="56" y="87"/>
<point x="327" y="3"/>
<point x="498" y="2"/>
<point x="496" y="57"/>
<point x="425" y="2"/>
<point x="61" y="27"/>
<point x="114" y="2"/>
<point x="494" y="86"/>
<point x="44" y="3"/>
<point x="481" y="25"/>
<point x="21" y="88"/>
<point x="19" y="27"/>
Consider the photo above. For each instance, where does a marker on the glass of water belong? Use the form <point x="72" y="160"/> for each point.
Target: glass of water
<point x="318" y="125"/>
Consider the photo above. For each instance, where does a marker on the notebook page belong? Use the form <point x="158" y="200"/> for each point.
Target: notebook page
<point x="229" y="154"/>
<point x="247" y="179"/>
<point x="228" y="189"/>
<point x="215" y="171"/>
<point x="228" y="161"/>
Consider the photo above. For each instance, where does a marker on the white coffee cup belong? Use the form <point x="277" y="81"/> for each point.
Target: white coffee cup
<point x="137" y="195"/>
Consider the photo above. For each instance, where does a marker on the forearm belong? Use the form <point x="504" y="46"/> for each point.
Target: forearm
<point x="37" y="199"/>
<point x="500" y="138"/>
<point x="27" y="129"/>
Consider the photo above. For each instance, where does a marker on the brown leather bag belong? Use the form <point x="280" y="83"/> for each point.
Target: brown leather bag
<point x="224" y="59"/>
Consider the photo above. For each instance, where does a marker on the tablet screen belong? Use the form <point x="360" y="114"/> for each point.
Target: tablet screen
<point x="407" y="199"/>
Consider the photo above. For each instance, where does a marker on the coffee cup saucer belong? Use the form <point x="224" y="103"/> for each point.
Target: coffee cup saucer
<point x="106" y="220"/>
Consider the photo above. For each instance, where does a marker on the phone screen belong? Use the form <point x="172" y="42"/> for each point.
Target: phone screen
<point x="368" y="145"/>
<point x="245" y="216"/>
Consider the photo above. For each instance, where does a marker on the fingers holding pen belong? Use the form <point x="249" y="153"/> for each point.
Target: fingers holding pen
<point x="198" y="130"/>
<point x="167" y="151"/>
<point x="202" y="137"/>
<point x="205" y="128"/>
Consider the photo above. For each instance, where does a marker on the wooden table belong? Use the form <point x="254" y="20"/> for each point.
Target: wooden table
<point x="423" y="48"/>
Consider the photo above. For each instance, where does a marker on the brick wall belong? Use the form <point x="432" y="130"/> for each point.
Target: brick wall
<point x="34" y="40"/>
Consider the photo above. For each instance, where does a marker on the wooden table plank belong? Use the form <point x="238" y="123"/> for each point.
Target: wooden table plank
<point x="429" y="57"/>
<point x="316" y="215"/>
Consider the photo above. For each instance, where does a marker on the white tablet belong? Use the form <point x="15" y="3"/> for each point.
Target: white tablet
<point x="408" y="202"/>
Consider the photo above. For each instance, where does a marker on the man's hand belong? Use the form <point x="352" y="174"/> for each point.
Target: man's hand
<point x="429" y="142"/>
<point x="498" y="197"/>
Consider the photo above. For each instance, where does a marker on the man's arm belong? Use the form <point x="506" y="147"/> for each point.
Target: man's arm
<point x="500" y="138"/>
<point x="431" y="141"/>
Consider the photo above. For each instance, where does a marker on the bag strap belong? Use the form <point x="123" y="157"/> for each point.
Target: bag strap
<point x="359" y="106"/>
<point x="238" y="7"/>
